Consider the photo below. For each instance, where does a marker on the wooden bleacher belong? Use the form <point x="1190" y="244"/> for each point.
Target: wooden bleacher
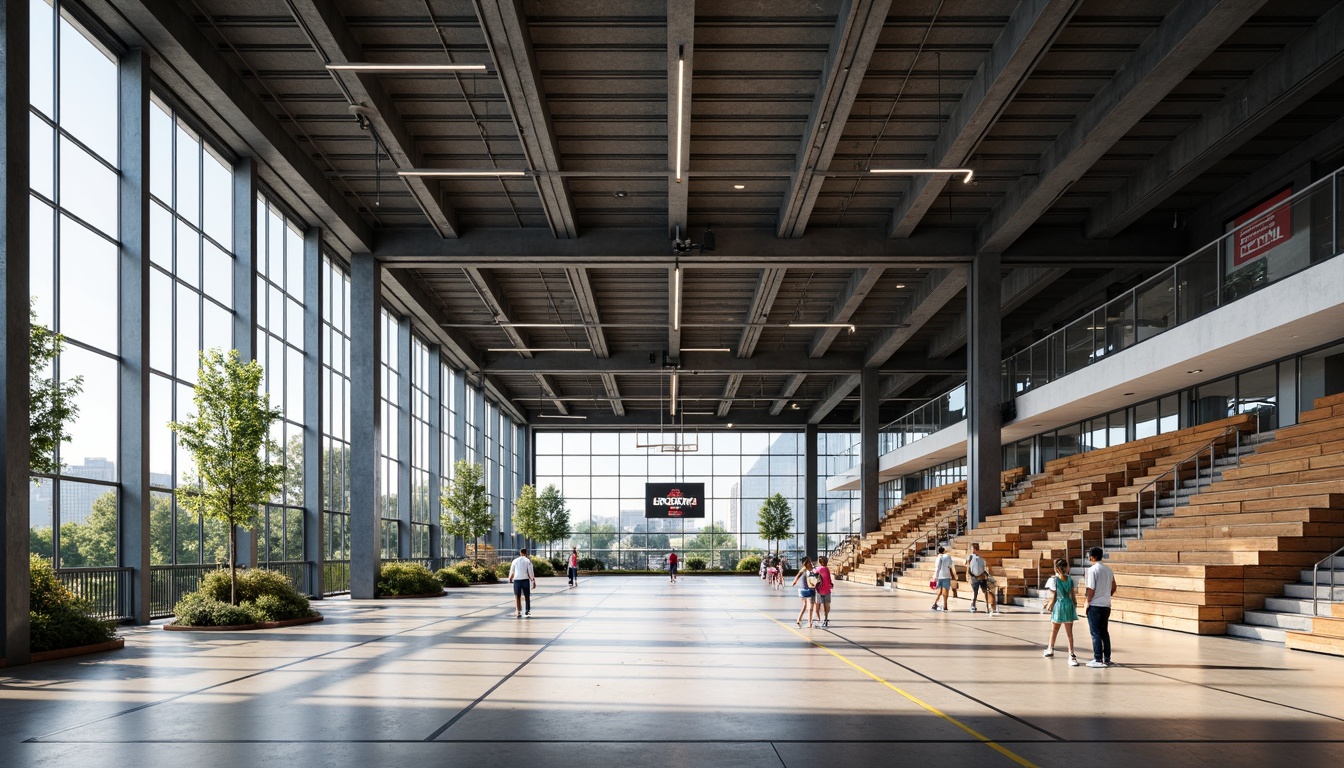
<point x="1326" y="635"/>
<point x="1242" y="538"/>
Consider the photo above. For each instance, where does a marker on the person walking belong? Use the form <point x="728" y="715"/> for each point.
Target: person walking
<point x="672" y="566"/>
<point x="977" y="573"/>
<point x="825" y="585"/>
<point x="774" y="576"/>
<point x="943" y="571"/>
<point x="1063" y="609"/>
<point x="806" y="592"/>
<point x="523" y="578"/>
<point x="574" y="567"/>
<point x="1100" y="587"/>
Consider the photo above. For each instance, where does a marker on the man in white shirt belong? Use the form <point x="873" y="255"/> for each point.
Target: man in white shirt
<point x="943" y="572"/>
<point x="977" y="573"/>
<point x="1100" y="587"/>
<point x="523" y="578"/>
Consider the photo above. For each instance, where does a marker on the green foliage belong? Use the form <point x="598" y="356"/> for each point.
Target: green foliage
<point x="407" y="579"/>
<point x="229" y="440"/>
<point x="501" y="571"/>
<point x="51" y="403"/>
<point x="591" y="564"/>
<point x="749" y="564"/>
<point x="712" y="537"/>
<point x="489" y="575"/>
<point x="558" y="563"/>
<point x="197" y="610"/>
<point x="268" y="595"/>
<point x="542" y="567"/>
<point x="695" y="563"/>
<point x="466" y="506"/>
<point x="452" y="578"/>
<point x="603" y="534"/>
<point x="527" y="518"/>
<point x="554" y="514"/>
<point x="775" y="519"/>
<point x="58" y="618"/>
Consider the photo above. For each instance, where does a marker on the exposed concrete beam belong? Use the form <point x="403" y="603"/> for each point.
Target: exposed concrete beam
<point x="767" y="288"/>
<point x="192" y="67"/>
<point x="504" y="24"/>
<point x="729" y="392"/>
<point x="767" y="363"/>
<point x="406" y="292"/>
<point x="680" y="40"/>
<point x="649" y="419"/>
<point x="787" y="392"/>
<point x="331" y="37"/>
<point x="1185" y="38"/>
<point x="1032" y="27"/>
<point x="858" y="26"/>
<point x="856" y="290"/>
<point x="493" y="297"/>
<point x="834" y="395"/>
<point x="674" y="310"/>
<point x="1312" y="61"/>
<point x="1018" y="287"/>
<point x="586" y="300"/>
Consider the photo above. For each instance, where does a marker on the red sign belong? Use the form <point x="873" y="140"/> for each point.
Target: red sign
<point x="1262" y="231"/>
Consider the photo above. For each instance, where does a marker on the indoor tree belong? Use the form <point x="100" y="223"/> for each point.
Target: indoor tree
<point x="527" y="518"/>
<point x="466" y="506"/>
<point x="774" y="521"/>
<point x="555" y="514"/>
<point x="229" y="440"/>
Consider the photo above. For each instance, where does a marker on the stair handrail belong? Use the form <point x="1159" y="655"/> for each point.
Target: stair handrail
<point x="846" y="543"/>
<point x="1316" y="584"/>
<point x="936" y="530"/>
<point x="1175" y="471"/>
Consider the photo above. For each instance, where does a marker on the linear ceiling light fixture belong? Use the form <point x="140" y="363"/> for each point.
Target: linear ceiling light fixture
<point x="681" y="96"/>
<point x="560" y="416"/>
<point x="847" y="326"/>
<point x="535" y="350"/>
<point x="915" y="171"/>
<point x="363" y="66"/>
<point x="676" y="297"/>
<point x="462" y="173"/>
<point x="706" y="349"/>
<point x="675" y="380"/>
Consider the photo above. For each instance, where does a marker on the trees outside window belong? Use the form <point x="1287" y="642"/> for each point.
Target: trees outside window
<point x="555" y="515"/>
<point x="466" y="505"/>
<point x="775" y="520"/>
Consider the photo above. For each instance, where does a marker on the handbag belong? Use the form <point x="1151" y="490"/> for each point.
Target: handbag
<point x="933" y="583"/>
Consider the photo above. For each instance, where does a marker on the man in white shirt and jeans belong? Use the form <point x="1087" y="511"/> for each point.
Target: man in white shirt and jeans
<point x="523" y="578"/>
<point x="1100" y="587"/>
<point x="977" y="573"/>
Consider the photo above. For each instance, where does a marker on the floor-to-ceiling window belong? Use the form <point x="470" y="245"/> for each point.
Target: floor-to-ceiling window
<point x="421" y="529"/>
<point x="389" y="461"/>
<point x="335" y="426"/>
<point x="280" y="350"/>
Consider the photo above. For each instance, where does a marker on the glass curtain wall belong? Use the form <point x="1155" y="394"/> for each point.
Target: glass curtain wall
<point x="192" y="268"/>
<point x="839" y="513"/>
<point x="389" y="458"/>
<point x="73" y="232"/>
<point x="280" y="350"/>
<point x="335" y="426"/>
<point x="421" y="508"/>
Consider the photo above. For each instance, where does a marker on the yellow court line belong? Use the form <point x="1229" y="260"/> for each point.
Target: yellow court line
<point x="983" y="739"/>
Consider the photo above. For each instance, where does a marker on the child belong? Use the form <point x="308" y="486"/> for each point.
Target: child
<point x="806" y="592"/>
<point x="1063" y="609"/>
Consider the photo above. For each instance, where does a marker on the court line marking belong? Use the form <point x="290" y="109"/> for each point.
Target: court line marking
<point x="980" y="737"/>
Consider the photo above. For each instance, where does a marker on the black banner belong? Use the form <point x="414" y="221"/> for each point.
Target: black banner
<point x="674" y="500"/>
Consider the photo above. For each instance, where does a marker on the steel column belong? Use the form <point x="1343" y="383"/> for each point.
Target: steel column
<point x="245" y="244"/>
<point x="434" y="388"/>
<point x="133" y="290"/>
<point x="868" y="485"/>
<point x="810" y="527"/>
<point x="366" y="304"/>
<point x="984" y="388"/>
<point x="314" y="533"/>
<point x="405" y="437"/>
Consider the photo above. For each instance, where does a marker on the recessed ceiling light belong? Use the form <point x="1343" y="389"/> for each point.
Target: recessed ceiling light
<point x="900" y="285"/>
<point x="794" y="406"/>
<point x="1197" y="370"/>
<point x="730" y="425"/>
<point x="739" y="186"/>
<point x="620" y="193"/>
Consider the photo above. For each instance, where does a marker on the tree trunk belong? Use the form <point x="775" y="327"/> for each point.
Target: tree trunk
<point x="233" y="565"/>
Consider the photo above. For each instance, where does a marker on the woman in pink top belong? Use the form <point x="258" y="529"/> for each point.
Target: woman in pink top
<point x="822" y="596"/>
<point x="574" y="567"/>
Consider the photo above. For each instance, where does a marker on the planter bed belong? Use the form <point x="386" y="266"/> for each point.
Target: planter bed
<point x="246" y="627"/>
<point x="81" y="650"/>
<point x="410" y="597"/>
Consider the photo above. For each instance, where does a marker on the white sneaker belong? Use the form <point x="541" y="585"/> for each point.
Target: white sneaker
<point x="994" y="613"/>
<point x="1073" y="661"/>
<point x="1096" y="664"/>
<point x="1048" y="652"/>
<point x="972" y="609"/>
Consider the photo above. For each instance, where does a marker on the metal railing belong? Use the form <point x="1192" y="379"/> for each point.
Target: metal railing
<point x="1175" y="472"/>
<point x="108" y="590"/>
<point x="1316" y="581"/>
<point x="846" y="547"/>
<point x="335" y="577"/>
<point x="952" y="524"/>
<point x="169" y="583"/>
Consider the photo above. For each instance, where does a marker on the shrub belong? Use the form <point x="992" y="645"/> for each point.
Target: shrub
<point x="487" y="575"/>
<point x="199" y="610"/>
<point x="542" y="567"/>
<point x="452" y="578"/>
<point x="750" y="564"/>
<point x="58" y="618"/>
<point x="696" y="563"/>
<point x="558" y="564"/>
<point x="267" y="594"/>
<point x="591" y="564"/>
<point x="407" y="579"/>
<point x="501" y="571"/>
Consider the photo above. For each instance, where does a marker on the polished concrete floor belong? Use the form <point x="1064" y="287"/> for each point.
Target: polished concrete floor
<point x="633" y="671"/>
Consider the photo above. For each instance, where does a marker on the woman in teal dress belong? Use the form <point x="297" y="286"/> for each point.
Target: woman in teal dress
<point x="1063" y="609"/>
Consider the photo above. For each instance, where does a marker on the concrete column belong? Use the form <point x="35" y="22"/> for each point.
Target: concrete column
<point x="405" y="437"/>
<point x="984" y="389"/>
<point x="868" y="490"/>
<point x="133" y="290"/>
<point x="14" y="444"/>
<point x="460" y="431"/>
<point x="366" y="302"/>
<point x="313" y="477"/>
<point x="810" y="491"/>
<point x="434" y="387"/>
<point x="505" y="482"/>
<point x="245" y="244"/>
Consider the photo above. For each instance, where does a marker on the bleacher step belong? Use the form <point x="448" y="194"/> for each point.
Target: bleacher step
<point x="1279" y="620"/>
<point x="1256" y="632"/>
<point x="1304" y="592"/>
